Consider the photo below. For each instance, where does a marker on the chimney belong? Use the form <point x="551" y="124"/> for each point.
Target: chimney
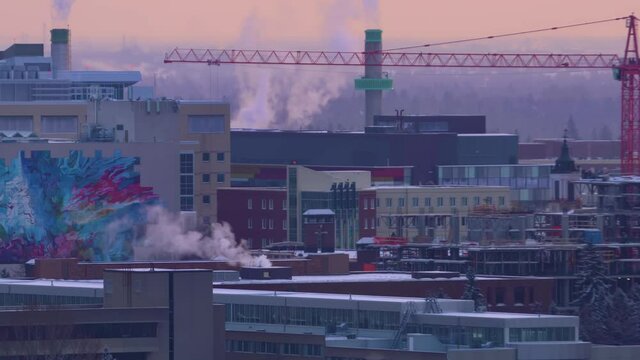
<point x="60" y="51"/>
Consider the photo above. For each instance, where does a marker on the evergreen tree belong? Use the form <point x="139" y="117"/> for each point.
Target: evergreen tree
<point x="592" y="294"/>
<point x="572" y="129"/>
<point x="634" y="297"/>
<point x="471" y="292"/>
<point x="619" y="324"/>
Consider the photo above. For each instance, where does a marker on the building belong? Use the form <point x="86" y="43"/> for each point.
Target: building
<point x="400" y="141"/>
<point x="82" y="173"/>
<point x="145" y="314"/>
<point x="426" y="213"/>
<point x="161" y="314"/>
<point x="26" y="74"/>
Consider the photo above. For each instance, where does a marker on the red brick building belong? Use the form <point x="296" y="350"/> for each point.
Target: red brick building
<point x="257" y="215"/>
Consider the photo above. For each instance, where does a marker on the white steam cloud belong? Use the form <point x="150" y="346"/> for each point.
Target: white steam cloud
<point x="166" y="238"/>
<point x="278" y="97"/>
<point x="62" y="9"/>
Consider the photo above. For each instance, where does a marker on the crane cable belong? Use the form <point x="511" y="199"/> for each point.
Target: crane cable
<point x="506" y="35"/>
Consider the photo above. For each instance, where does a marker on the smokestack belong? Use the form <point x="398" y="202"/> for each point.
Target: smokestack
<point x="373" y="83"/>
<point x="60" y="51"/>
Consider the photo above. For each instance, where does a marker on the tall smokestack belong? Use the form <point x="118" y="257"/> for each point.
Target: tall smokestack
<point x="373" y="83"/>
<point x="60" y="51"/>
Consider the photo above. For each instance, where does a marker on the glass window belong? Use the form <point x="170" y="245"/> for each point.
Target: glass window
<point x="220" y="178"/>
<point x="206" y="178"/>
<point x="270" y="204"/>
<point x="249" y="203"/>
<point x="452" y="201"/>
<point x="271" y="224"/>
<point x="186" y="163"/>
<point x="264" y="204"/>
<point x="373" y="204"/>
<point x="388" y="202"/>
<point x="465" y="201"/>
<point x="264" y="224"/>
<point x="415" y="202"/>
<point x="206" y="124"/>
<point x="186" y="203"/>
<point x="366" y="223"/>
<point x="16" y="123"/>
<point x="401" y="202"/>
<point x="59" y="124"/>
<point x="518" y="295"/>
<point x="206" y="199"/>
<point x="249" y="223"/>
<point x="284" y="204"/>
<point x="476" y="200"/>
<point x="284" y="224"/>
<point x="501" y="201"/>
<point x="186" y="184"/>
<point x="427" y="201"/>
<point x="220" y="156"/>
<point x="440" y="202"/>
<point x="206" y="156"/>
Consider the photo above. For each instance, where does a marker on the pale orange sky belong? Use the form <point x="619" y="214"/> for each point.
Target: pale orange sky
<point x="215" y="23"/>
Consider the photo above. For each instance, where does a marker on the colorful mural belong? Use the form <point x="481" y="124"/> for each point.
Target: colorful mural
<point x="86" y="207"/>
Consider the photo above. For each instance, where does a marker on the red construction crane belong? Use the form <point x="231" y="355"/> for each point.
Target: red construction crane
<point x="626" y="69"/>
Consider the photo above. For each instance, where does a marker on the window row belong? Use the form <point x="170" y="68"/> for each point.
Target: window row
<point x="206" y="156"/>
<point x="206" y="178"/>
<point x="272" y="348"/>
<point x="266" y="203"/>
<point x="266" y="224"/>
<point x="440" y="201"/>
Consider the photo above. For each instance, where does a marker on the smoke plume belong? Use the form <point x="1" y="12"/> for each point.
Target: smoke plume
<point x="166" y="238"/>
<point x="62" y="9"/>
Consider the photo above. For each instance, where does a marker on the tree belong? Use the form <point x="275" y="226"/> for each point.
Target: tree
<point x="592" y="294"/>
<point x="606" y="133"/>
<point x="620" y="325"/>
<point x="572" y="129"/>
<point x="471" y="292"/>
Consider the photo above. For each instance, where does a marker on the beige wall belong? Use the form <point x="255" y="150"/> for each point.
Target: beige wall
<point x="499" y="198"/>
<point x="38" y="109"/>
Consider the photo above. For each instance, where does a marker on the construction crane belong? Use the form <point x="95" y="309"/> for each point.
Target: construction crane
<point x="626" y="69"/>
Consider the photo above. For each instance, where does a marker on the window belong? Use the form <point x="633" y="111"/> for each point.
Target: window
<point x="465" y="201"/>
<point x="270" y="204"/>
<point x="401" y="202"/>
<point x="531" y="295"/>
<point x="284" y="224"/>
<point x="16" y="123"/>
<point x="264" y="224"/>
<point x="373" y="223"/>
<point x="206" y="178"/>
<point x="206" y="156"/>
<point x="488" y="200"/>
<point x="463" y="221"/>
<point x="206" y="199"/>
<point x="249" y="203"/>
<point x="220" y="178"/>
<point x="501" y="201"/>
<point x="440" y="202"/>
<point x="220" y="156"/>
<point x="186" y="203"/>
<point x="270" y="224"/>
<point x="476" y="200"/>
<point x="284" y="204"/>
<point x="59" y="124"/>
<point x="206" y="124"/>
<point x="186" y="184"/>
<point x="373" y="203"/>
<point x="366" y="204"/>
<point x="518" y="295"/>
<point x="415" y="202"/>
<point x="427" y="201"/>
<point x="264" y="204"/>
<point x="366" y="223"/>
<point x="249" y="223"/>
<point x="500" y="296"/>
<point x="452" y="201"/>
<point x="388" y="202"/>
<point x="186" y="163"/>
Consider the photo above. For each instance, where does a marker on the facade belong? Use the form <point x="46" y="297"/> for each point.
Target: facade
<point x="114" y="158"/>
<point x="147" y="314"/>
<point x="427" y="213"/>
<point x="530" y="185"/>
<point x="365" y="149"/>
<point x="459" y="124"/>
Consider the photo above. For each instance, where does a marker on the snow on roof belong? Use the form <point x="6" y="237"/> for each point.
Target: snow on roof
<point x="319" y="212"/>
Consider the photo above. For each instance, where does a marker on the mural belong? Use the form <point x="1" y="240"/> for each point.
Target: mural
<point x="89" y="208"/>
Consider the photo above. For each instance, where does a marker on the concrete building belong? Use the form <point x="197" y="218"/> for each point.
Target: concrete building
<point x="426" y="213"/>
<point x="160" y="314"/>
<point x="109" y="159"/>
<point x="145" y="314"/>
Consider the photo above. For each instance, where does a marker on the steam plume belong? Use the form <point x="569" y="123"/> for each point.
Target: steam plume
<point x="62" y="9"/>
<point x="166" y="239"/>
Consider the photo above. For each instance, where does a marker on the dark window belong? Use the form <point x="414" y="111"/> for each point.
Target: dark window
<point x="518" y="295"/>
<point x="206" y="199"/>
<point x="186" y="203"/>
<point x="206" y="156"/>
<point x="220" y="156"/>
<point x="204" y="124"/>
<point x="500" y="295"/>
<point x="206" y="178"/>
<point x="220" y="178"/>
<point x="186" y="163"/>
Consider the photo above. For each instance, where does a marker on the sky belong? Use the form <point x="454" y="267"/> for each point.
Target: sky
<point x="135" y="35"/>
<point x="217" y="23"/>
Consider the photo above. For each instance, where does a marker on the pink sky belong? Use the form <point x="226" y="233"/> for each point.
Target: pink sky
<point x="224" y="23"/>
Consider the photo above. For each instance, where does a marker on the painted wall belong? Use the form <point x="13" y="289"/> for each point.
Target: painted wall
<point x="72" y="206"/>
